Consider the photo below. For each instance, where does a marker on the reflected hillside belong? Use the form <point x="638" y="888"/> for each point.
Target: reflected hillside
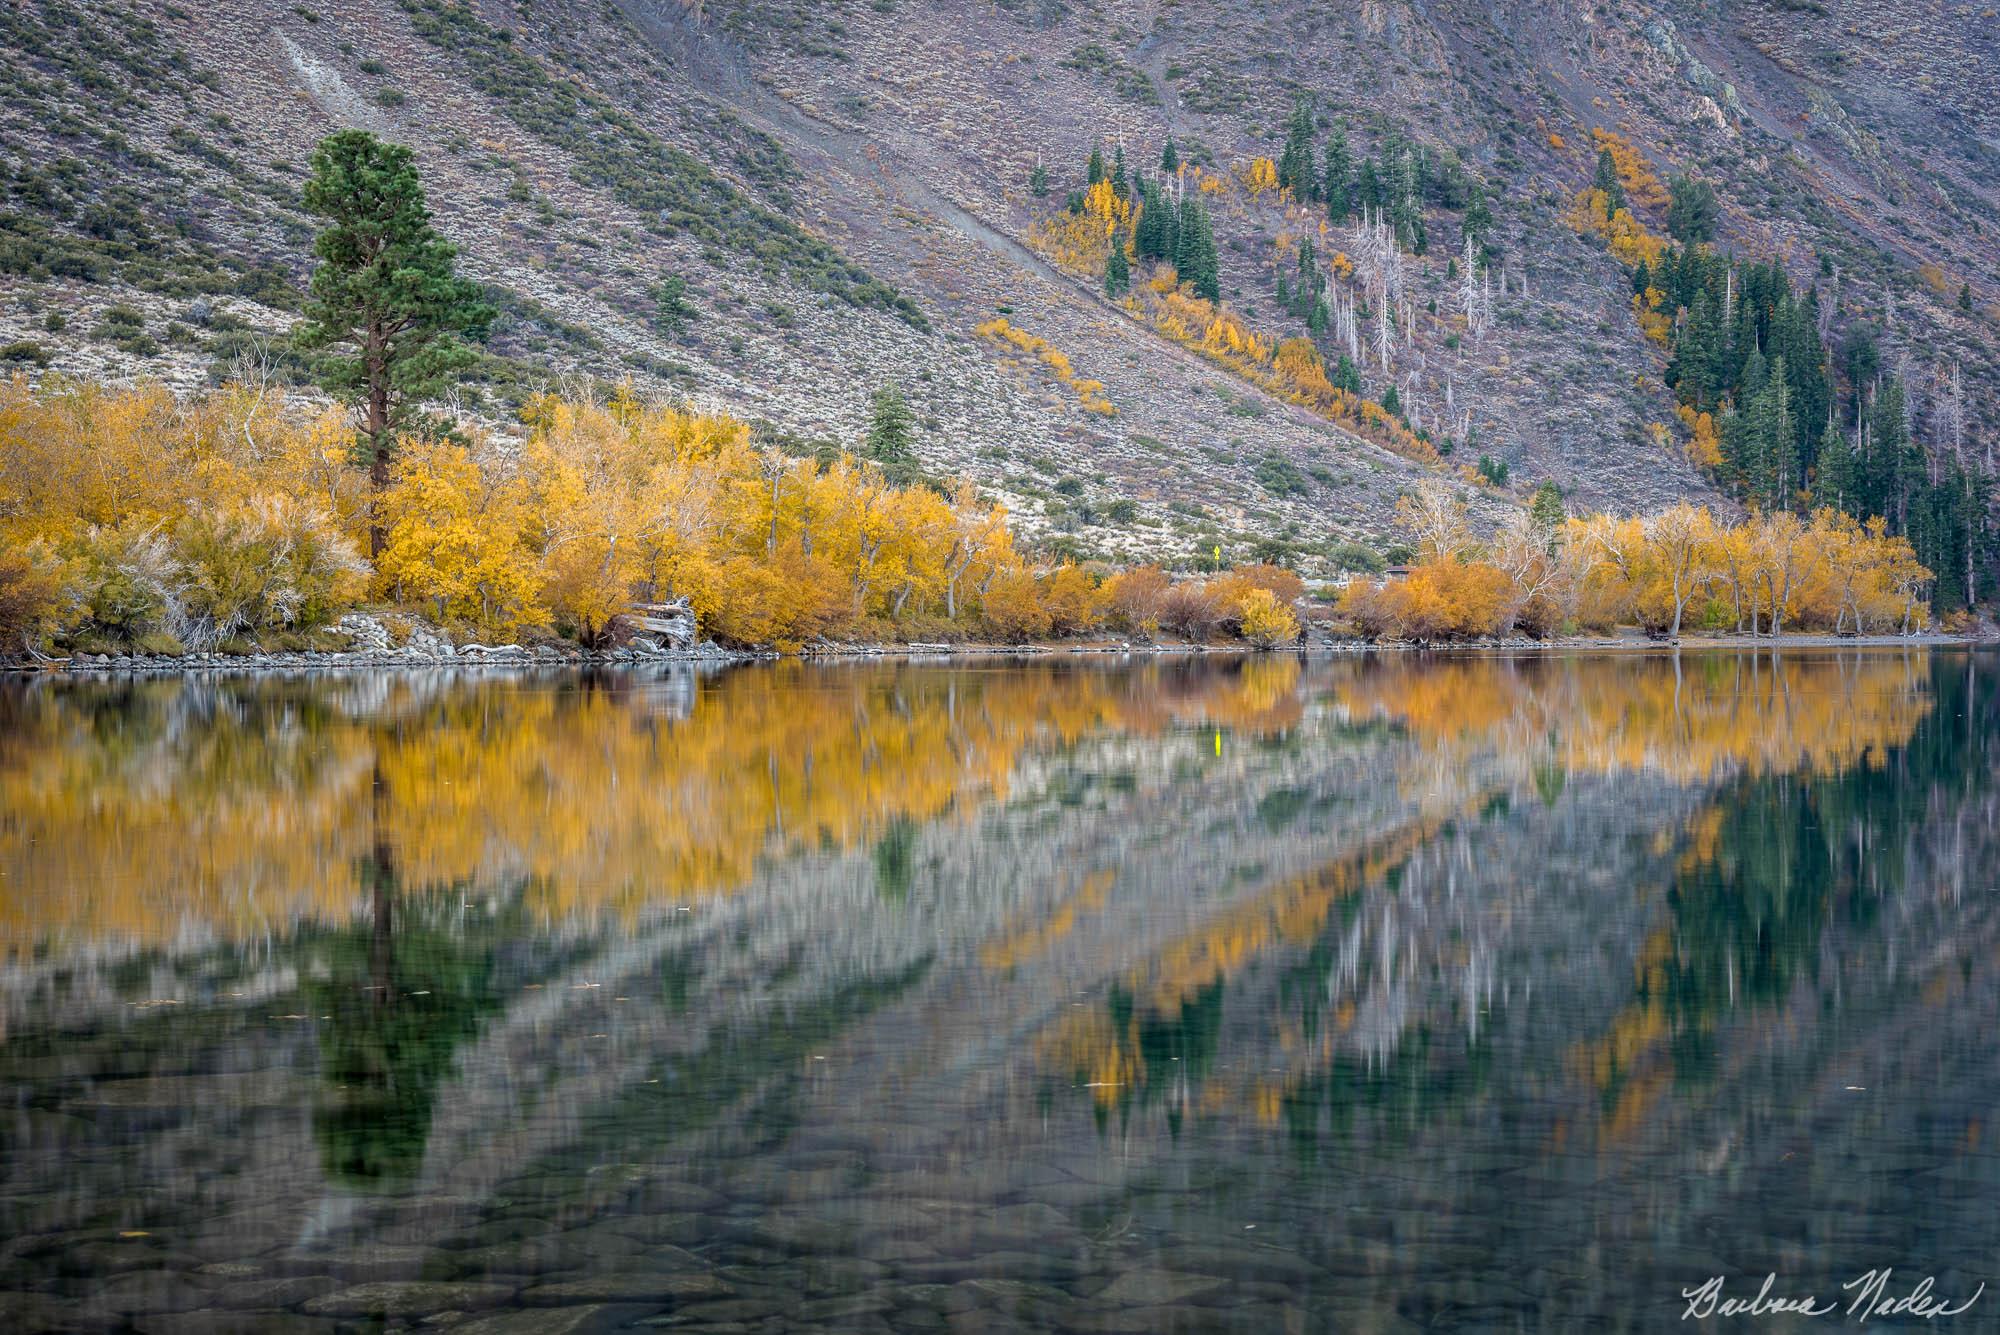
<point x="1067" y="961"/>
<point x="1421" y="933"/>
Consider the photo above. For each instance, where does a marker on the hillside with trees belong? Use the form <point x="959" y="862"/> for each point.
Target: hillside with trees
<point x="1163" y="280"/>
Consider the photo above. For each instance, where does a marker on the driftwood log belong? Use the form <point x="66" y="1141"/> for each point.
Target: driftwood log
<point x="672" y="622"/>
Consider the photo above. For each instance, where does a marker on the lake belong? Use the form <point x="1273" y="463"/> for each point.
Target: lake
<point x="1380" y="993"/>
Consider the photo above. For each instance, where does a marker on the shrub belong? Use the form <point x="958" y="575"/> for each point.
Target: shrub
<point x="31" y="587"/>
<point x="1190" y="610"/>
<point x="1134" y="598"/>
<point x="1264" y="621"/>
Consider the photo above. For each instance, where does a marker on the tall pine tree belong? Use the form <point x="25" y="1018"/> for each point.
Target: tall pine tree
<point x="1295" y="163"/>
<point x="1338" y="176"/>
<point x="385" y="298"/>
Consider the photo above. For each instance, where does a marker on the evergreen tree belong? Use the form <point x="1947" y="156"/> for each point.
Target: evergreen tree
<point x="1119" y="185"/>
<point x="1295" y="163"/>
<point x="1776" y="446"/>
<point x="1117" y="273"/>
<point x="1477" y="222"/>
<point x="1392" y="401"/>
<point x="1338" y="176"/>
<point x="1547" y="513"/>
<point x="1149" y="236"/>
<point x="1038" y="181"/>
<point x="1899" y="460"/>
<point x="1094" y="171"/>
<point x="1347" y="376"/>
<point x="1170" y="157"/>
<point x="384" y="296"/>
<point x="1738" y="453"/>
<point x="892" y="434"/>
<point x="1692" y="211"/>
<point x="1833" y="479"/>
<point x="1965" y="297"/>
<point x="1368" y="187"/>
<point x="672" y="311"/>
<point x="1607" y="181"/>
<point x="1692" y="373"/>
<point x="1194" y="253"/>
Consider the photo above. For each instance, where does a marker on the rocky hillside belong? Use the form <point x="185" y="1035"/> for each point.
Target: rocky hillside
<point x="845" y="192"/>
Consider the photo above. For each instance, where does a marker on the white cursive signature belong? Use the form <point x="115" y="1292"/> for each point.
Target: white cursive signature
<point x="1871" y="1298"/>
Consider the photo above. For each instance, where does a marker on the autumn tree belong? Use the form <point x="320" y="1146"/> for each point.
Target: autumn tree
<point x="1435" y="520"/>
<point x="386" y="304"/>
<point x="1679" y="538"/>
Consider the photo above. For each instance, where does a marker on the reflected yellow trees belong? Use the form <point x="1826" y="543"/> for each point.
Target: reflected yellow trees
<point x="1692" y="719"/>
<point x="178" y="812"/>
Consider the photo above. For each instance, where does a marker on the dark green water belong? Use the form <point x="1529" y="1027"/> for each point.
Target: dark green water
<point x="1378" y="994"/>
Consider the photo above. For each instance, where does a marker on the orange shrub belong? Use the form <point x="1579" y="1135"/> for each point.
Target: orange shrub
<point x="1440" y="600"/>
<point x="1133" y="598"/>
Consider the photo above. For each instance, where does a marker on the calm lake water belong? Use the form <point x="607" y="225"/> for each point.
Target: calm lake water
<point x="1184" y="995"/>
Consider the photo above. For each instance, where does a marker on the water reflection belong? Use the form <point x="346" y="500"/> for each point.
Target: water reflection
<point x="1248" y="995"/>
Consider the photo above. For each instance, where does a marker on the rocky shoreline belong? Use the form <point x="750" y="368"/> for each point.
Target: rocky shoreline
<point x="425" y="649"/>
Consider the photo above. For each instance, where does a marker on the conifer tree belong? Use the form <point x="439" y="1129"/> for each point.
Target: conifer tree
<point x="1833" y="479"/>
<point x="1295" y="164"/>
<point x="1119" y="186"/>
<point x="1691" y="211"/>
<point x="892" y="433"/>
<point x="1607" y="181"/>
<point x="1094" y="171"/>
<point x="1347" y="376"/>
<point x="1776" y="446"/>
<point x="1170" y="157"/>
<point x="1194" y="254"/>
<point x="385" y="297"/>
<point x="1368" y="187"/>
<point x="1965" y="297"/>
<point x="1038" y="181"/>
<point x="1149" y="234"/>
<point x="1477" y="221"/>
<point x="1338" y="176"/>
<point x="1117" y="273"/>
<point x="1547" y="513"/>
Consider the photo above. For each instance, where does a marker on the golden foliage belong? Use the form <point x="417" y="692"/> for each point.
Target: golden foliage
<point x="1623" y="235"/>
<point x="1677" y="569"/>
<point x="1642" y="185"/>
<point x="1080" y="243"/>
<point x="1089" y="393"/>
<point x="1260" y="176"/>
<point x="155" y="833"/>
<point x="1704" y="445"/>
<point x="185" y="523"/>
<point x="1291" y="369"/>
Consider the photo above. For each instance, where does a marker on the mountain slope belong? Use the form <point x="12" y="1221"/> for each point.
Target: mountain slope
<point x="844" y="189"/>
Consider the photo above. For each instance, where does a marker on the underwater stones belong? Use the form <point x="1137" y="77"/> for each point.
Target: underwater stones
<point x="409" y="1298"/>
<point x="629" y="1287"/>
